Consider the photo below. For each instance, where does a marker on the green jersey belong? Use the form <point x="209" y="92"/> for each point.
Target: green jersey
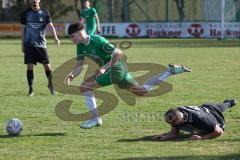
<point x="100" y="50"/>
<point x="89" y="16"/>
<point x="98" y="47"/>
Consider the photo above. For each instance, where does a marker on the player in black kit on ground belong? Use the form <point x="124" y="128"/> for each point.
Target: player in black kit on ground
<point x="203" y="122"/>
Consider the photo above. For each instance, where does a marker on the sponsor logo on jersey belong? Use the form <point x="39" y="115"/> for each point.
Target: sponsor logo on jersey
<point x="40" y="19"/>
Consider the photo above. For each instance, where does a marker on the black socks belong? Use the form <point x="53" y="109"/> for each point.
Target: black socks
<point x="30" y="78"/>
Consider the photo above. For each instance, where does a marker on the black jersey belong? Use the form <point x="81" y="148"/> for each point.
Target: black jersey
<point x="202" y="119"/>
<point x="35" y="25"/>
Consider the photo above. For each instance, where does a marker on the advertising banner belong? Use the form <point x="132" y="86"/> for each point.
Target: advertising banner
<point x="171" y="30"/>
<point x="151" y="30"/>
<point x="14" y="29"/>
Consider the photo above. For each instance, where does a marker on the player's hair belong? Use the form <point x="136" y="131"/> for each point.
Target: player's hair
<point x="172" y="115"/>
<point x="75" y="27"/>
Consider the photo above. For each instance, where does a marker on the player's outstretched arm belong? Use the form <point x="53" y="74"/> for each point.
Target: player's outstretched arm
<point x="74" y="73"/>
<point x="98" y="23"/>
<point x="76" y="8"/>
<point x="167" y="136"/>
<point x="54" y="33"/>
<point x="216" y="133"/>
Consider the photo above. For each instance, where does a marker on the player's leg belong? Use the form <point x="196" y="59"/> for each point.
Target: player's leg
<point x="91" y="29"/>
<point x="42" y="57"/>
<point x="29" y="60"/>
<point x="48" y="72"/>
<point x="155" y="80"/>
<point x="227" y="103"/>
<point x="30" y="77"/>
<point x="137" y="90"/>
<point x="221" y="107"/>
<point x="173" y="69"/>
<point x="86" y="89"/>
<point x="124" y="80"/>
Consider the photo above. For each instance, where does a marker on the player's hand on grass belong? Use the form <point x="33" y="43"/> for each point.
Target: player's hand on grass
<point x="195" y="137"/>
<point x="157" y="137"/>
<point x="68" y="79"/>
<point x="161" y="137"/>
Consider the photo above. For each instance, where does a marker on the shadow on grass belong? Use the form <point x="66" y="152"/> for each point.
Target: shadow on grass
<point x="7" y="136"/>
<point x="183" y="137"/>
<point x="228" y="140"/>
<point x="48" y="134"/>
<point x="35" y="135"/>
<point x="235" y="156"/>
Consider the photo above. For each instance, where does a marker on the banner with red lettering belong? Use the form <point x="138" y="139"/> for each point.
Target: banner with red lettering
<point x="171" y="30"/>
<point x="151" y="30"/>
<point x="14" y="30"/>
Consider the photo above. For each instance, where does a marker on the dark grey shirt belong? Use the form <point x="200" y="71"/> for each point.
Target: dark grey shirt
<point x="35" y="23"/>
<point x="201" y="120"/>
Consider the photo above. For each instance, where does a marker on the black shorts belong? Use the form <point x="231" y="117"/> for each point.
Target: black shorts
<point x="216" y="112"/>
<point x="33" y="55"/>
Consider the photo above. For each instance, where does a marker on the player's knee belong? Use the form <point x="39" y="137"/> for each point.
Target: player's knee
<point x="140" y="93"/>
<point x="29" y="67"/>
<point x="84" y="88"/>
<point x="138" y="90"/>
<point x="47" y="67"/>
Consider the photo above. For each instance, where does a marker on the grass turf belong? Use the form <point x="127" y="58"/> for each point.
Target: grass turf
<point x="127" y="130"/>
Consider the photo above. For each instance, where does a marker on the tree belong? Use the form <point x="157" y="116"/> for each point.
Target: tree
<point x="110" y="10"/>
<point x="57" y="8"/>
<point x="180" y="8"/>
<point x="125" y="11"/>
<point x="13" y="13"/>
<point x="1" y="14"/>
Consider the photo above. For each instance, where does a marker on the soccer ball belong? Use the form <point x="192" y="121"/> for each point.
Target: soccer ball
<point x="14" y="127"/>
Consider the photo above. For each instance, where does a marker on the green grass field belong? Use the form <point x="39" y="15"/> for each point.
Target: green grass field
<point x="127" y="130"/>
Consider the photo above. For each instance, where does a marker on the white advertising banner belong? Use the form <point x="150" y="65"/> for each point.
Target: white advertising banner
<point x="152" y="30"/>
<point x="171" y="30"/>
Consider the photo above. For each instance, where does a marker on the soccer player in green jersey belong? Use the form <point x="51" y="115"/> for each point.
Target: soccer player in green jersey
<point x="90" y="17"/>
<point x="112" y="70"/>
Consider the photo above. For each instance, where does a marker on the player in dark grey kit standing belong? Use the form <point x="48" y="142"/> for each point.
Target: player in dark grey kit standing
<point x="34" y="22"/>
